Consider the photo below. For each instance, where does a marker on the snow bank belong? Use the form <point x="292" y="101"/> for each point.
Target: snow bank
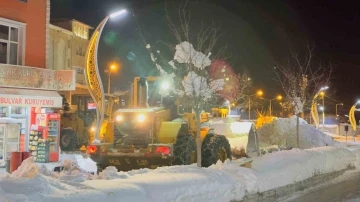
<point x="176" y="183"/>
<point x="287" y="167"/>
<point x="282" y="132"/>
<point x="219" y="183"/>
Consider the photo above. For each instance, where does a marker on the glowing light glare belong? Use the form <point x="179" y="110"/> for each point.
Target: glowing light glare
<point x="113" y="15"/>
<point x="165" y="85"/>
<point x="119" y="118"/>
<point x="141" y="118"/>
<point x="322" y="108"/>
<point x="279" y="97"/>
<point x="324" y="88"/>
<point x="112" y="67"/>
<point x="92" y="129"/>
<point x="259" y="93"/>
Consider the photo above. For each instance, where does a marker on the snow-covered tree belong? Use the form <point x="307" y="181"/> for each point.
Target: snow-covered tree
<point x="301" y="79"/>
<point x="187" y="72"/>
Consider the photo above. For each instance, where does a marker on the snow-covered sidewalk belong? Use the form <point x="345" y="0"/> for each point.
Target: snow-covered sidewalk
<point x="221" y="182"/>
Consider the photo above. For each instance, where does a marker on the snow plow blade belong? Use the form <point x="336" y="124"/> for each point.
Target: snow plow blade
<point x="242" y="137"/>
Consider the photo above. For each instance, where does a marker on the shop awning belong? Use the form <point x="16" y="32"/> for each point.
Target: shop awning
<point x="29" y="98"/>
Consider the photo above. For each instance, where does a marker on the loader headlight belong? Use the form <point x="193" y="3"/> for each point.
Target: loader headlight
<point x="141" y="118"/>
<point x="119" y="118"/>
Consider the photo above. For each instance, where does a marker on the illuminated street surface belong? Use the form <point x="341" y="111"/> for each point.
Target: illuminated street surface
<point x="344" y="191"/>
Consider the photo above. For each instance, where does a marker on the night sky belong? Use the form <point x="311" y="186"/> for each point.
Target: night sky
<point x="258" y="33"/>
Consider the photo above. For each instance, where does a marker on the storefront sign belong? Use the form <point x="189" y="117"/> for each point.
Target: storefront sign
<point x="20" y="100"/>
<point x="36" y="78"/>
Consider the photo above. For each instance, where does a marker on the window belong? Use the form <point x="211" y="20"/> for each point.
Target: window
<point x="25" y="1"/>
<point x="11" y="42"/>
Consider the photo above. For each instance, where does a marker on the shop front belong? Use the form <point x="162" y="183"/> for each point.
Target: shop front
<point x="30" y="96"/>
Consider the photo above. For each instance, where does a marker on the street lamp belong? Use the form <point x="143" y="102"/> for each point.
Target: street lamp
<point x="314" y="112"/>
<point x="322" y="94"/>
<point x="279" y="97"/>
<point x="336" y="112"/>
<point x="258" y="93"/>
<point x="92" y="75"/>
<point x="112" y="68"/>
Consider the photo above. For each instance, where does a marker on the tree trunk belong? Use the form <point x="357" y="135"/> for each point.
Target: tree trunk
<point x="297" y="130"/>
<point x="198" y="138"/>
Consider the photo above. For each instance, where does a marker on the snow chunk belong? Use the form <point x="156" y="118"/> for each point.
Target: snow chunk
<point x="96" y="141"/>
<point x="111" y="173"/>
<point x="77" y="160"/>
<point x="27" y="169"/>
<point x="148" y="46"/>
<point x="172" y="64"/>
<point x="196" y="85"/>
<point x="185" y="53"/>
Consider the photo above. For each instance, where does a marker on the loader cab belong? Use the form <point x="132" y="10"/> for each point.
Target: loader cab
<point x="86" y="109"/>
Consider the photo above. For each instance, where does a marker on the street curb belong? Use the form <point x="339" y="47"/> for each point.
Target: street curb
<point x="289" y="190"/>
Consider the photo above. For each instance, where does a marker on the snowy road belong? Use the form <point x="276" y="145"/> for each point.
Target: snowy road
<point x="345" y="191"/>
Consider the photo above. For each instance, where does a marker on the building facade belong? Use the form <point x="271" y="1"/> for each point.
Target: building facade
<point x="69" y="39"/>
<point x="27" y="86"/>
<point x="23" y="32"/>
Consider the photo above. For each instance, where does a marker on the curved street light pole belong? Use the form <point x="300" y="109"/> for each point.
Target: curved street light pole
<point x="352" y="118"/>
<point x="92" y="75"/>
<point x="314" y="112"/>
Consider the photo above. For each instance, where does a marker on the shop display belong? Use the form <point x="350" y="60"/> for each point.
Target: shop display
<point x="35" y="135"/>
<point x="43" y="150"/>
<point x="51" y="132"/>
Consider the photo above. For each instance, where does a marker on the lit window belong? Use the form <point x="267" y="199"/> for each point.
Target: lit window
<point x="11" y="42"/>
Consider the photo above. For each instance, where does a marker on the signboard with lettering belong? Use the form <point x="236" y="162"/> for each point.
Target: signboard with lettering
<point x="36" y="78"/>
<point x="26" y="97"/>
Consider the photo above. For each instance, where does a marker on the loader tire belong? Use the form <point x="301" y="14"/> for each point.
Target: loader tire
<point x="214" y="148"/>
<point x="68" y="140"/>
<point x="184" y="150"/>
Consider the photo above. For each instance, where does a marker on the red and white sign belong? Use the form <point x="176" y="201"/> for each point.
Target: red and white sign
<point x="33" y="102"/>
<point x="30" y="98"/>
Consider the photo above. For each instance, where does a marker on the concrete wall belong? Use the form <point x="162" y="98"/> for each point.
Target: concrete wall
<point x="33" y="14"/>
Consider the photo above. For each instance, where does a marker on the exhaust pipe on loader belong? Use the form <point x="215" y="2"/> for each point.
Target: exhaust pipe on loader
<point x="143" y="93"/>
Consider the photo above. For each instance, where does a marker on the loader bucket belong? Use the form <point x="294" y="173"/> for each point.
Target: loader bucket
<point x="241" y="135"/>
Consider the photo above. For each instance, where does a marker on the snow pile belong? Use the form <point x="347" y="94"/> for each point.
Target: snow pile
<point x="282" y="132"/>
<point x="219" y="183"/>
<point x="27" y="169"/>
